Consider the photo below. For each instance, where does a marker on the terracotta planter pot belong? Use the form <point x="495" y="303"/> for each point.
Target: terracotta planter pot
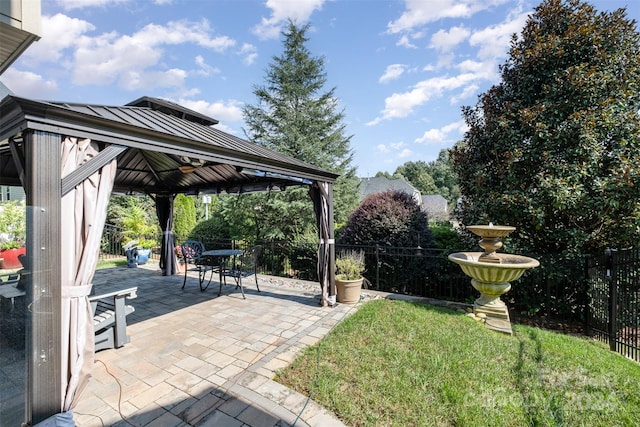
<point x="10" y="258"/>
<point x="349" y="290"/>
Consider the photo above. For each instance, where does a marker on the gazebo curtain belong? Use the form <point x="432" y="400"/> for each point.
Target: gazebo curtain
<point x="84" y="211"/>
<point x="320" y="193"/>
<point x="164" y="210"/>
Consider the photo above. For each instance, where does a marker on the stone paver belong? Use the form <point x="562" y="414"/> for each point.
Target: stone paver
<point x="196" y="359"/>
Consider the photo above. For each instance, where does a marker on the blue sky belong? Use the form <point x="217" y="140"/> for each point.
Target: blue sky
<point x="401" y="69"/>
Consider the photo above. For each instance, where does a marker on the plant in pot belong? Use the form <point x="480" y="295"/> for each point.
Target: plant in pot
<point x="349" y="269"/>
<point x="144" y="250"/>
<point x="13" y="232"/>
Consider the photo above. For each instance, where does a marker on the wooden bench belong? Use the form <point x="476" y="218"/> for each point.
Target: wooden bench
<point x="110" y="318"/>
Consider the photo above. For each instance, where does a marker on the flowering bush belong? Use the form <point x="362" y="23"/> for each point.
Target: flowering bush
<point x="188" y="251"/>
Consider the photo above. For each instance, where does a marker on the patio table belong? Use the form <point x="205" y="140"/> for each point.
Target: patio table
<point x="223" y="256"/>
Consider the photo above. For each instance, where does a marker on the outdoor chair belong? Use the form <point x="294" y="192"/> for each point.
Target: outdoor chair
<point x="110" y="318"/>
<point x="244" y="265"/>
<point x="194" y="261"/>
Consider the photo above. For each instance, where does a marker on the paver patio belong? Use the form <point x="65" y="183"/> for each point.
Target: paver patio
<point x="196" y="359"/>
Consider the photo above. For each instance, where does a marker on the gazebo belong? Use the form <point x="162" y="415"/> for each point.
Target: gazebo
<point x="70" y="158"/>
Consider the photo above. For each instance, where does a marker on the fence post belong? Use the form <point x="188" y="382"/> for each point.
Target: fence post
<point x="587" y="301"/>
<point x="377" y="266"/>
<point x="612" y="276"/>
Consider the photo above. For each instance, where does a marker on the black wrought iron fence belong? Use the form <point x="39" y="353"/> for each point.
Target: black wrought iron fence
<point x="111" y="244"/>
<point x="614" y="300"/>
<point x="556" y="288"/>
<point x="414" y="270"/>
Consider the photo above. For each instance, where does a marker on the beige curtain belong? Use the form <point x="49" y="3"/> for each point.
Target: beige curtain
<point x="319" y="193"/>
<point x="84" y="212"/>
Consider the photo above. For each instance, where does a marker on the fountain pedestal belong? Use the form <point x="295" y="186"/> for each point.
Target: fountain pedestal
<point x="492" y="273"/>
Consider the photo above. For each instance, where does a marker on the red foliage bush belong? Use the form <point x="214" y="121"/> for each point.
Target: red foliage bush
<point x="391" y="218"/>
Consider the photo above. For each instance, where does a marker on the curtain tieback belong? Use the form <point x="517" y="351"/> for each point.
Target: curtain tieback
<point x="76" y="291"/>
<point x="327" y="241"/>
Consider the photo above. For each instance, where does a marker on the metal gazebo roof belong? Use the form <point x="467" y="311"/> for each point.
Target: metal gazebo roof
<point x="165" y="148"/>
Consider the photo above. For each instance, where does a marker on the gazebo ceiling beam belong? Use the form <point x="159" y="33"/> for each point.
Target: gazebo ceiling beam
<point x="76" y="177"/>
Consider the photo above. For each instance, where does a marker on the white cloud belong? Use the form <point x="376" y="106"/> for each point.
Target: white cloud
<point x="78" y="4"/>
<point x="127" y="59"/>
<point x="401" y="105"/>
<point x="441" y="136"/>
<point x="134" y="80"/>
<point x="180" y="32"/>
<point x="420" y="12"/>
<point x="204" y="69"/>
<point x="445" y="41"/>
<point x="225" y="111"/>
<point x="404" y="42"/>
<point x="467" y="92"/>
<point x="405" y="153"/>
<point x="28" y="84"/>
<point x="249" y="52"/>
<point x="299" y="11"/>
<point x="59" y="32"/>
<point x="493" y="42"/>
<point x="395" y="149"/>
<point x="392" y="72"/>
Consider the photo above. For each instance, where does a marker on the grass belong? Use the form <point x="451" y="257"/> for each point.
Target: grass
<point x="395" y="363"/>
<point x="109" y="263"/>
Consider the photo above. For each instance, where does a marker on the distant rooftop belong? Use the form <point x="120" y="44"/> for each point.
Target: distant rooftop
<point x="381" y="184"/>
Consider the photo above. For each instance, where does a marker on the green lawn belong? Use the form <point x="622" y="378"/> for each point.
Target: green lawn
<point x="397" y="363"/>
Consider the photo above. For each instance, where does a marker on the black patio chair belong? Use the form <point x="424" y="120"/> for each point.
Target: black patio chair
<point x="244" y="265"/>
<point x="194" y="261"/>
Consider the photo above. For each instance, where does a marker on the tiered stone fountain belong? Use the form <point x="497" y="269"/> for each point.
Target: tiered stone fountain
<point x="491" y="273"/>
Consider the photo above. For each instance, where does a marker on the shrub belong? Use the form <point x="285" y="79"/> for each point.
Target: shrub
<point x="350" y="265"/>
<point x="303" y="256"/>
<point x="391" y="218"/>
<point x="446" y="237"/>
<point x="184" y="219"/>
<point x="210" y="229"/>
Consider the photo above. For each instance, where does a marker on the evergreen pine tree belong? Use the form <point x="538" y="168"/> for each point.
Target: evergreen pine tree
<point x="297" y="117"/>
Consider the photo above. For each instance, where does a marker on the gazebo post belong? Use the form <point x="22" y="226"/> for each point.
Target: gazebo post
<point x="332" y="243"/>
<point x="43" y="346"/>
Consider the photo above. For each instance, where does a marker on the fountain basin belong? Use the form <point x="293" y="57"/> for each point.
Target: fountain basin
<point x="510" y="267"/>
<point x="491" y="231"/>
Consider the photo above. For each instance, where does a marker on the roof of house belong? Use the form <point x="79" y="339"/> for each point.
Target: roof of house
<point x="381" y="184"/>
<point x="434" y="202"/>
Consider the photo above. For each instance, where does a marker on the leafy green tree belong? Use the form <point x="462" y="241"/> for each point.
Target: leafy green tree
<point x="184" y="216"/>
<point x="417" y="174"/>
<point x="296" y="116"/>
<point x="436" y="177"/>
<point x="445" y="178"/>
<point x="554" y="148"/>
<point x="135" y="216"/>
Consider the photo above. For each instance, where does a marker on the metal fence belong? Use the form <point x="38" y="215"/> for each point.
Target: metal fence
<point x="408" y="270"/>
<point x="614" y="295"/>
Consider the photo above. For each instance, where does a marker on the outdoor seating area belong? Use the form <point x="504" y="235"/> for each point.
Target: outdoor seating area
<point x="196" y="358"/>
